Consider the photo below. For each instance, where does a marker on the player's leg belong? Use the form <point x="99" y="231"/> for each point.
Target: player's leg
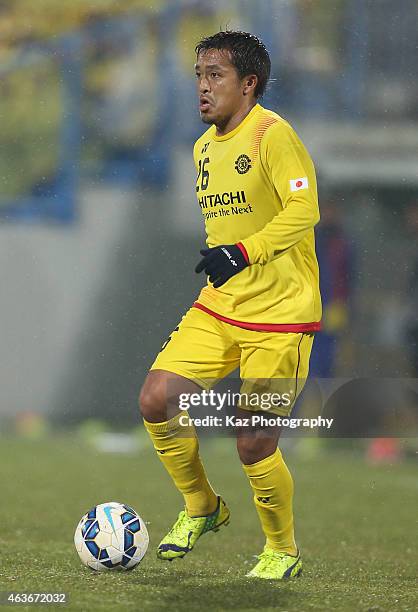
<point x="271" y="483"/>
<point x="177" y="446"/>
<point x="272" y="487"/>
<point x="278" y="365"/>
<point x="196" y="354"/>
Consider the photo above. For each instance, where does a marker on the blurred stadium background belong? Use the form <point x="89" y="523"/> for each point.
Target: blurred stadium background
<point x="99" y="226"/>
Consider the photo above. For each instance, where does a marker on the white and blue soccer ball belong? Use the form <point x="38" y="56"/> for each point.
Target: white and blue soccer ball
<point x="111" y="536"/>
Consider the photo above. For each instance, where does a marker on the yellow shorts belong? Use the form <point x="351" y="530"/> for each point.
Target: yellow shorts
<point x="205" y="350"/>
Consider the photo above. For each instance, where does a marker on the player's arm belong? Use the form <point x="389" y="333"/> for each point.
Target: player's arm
<point x="222" y="262"/>
<point x="287" y="162"/>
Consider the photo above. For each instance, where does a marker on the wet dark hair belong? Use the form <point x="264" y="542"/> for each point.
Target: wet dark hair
<point x="248" y="55"/>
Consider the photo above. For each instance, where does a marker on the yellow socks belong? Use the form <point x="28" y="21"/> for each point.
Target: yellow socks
<point x="273" y="492"/>
<point x="178" y="448"/>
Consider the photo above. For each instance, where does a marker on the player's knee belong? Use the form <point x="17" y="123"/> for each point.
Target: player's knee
<point x="252" y="449"/>
<point x="152" y="401"/>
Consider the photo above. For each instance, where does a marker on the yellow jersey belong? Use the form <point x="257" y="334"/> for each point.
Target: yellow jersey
<point x="256" y="187"/>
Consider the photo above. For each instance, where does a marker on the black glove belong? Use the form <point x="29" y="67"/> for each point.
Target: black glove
<point x="222" y="262"/>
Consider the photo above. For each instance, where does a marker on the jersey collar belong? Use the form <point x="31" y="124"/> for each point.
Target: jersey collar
<point x="232" y="133"/>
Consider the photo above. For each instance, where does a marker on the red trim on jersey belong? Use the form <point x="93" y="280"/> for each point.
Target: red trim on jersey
<point x="243" y="251"/>
<point x="270" y="327"/>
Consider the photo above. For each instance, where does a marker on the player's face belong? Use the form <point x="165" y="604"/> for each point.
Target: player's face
<point x="220" y="91"/>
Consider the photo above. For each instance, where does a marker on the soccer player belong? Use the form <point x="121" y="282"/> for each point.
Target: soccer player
<point x="256" y="189"/>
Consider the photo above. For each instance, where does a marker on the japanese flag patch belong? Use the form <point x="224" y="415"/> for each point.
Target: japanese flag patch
<point x="299" y="183"/>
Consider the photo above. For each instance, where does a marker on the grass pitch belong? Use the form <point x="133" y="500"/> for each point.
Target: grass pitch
<point x="356" y="525"/>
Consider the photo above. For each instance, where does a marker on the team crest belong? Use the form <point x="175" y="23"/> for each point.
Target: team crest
<point x="243" y="164"/>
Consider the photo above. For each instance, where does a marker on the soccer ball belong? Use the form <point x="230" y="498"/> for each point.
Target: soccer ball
<point x="111" y="536"/>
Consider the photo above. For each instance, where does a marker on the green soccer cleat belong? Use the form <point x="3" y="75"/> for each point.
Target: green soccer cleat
<point x="187" y="530"/>
<point x="273" y="565"/>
